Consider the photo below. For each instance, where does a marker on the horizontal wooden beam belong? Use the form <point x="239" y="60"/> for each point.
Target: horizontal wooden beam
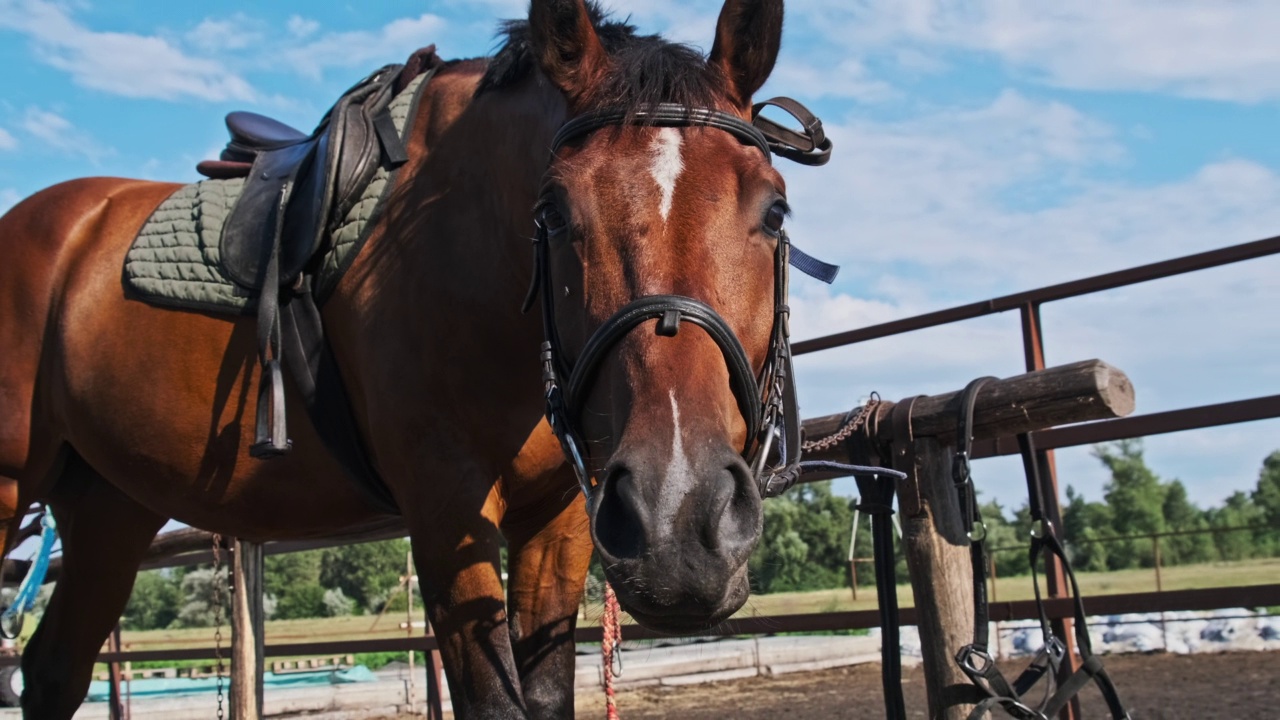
<point x="1078" y="392"/>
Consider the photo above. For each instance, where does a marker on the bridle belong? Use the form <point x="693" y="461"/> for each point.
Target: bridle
<point x="767" y="401"/>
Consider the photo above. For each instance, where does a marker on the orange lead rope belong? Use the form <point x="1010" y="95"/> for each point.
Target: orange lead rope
<point x="610" y="650"/>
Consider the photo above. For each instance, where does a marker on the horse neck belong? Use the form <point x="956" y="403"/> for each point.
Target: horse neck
<point x="456" y="237"/>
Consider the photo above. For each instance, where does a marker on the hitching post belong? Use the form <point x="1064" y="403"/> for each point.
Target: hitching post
<point x="246" y="631"/>
<point x="936" y="547"/>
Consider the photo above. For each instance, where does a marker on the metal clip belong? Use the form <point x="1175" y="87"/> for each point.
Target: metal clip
<point x="978" y="532"/>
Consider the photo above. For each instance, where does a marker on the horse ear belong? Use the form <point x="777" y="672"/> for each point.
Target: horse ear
<point x="566" y="46"/>
<point x="748" y="36"/>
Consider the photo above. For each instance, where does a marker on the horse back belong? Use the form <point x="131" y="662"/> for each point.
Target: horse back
<point x="159" y="401"/>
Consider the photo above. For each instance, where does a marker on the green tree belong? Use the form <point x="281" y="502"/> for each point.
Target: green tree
<point x="1238" y="510"/>
<point x="155" y="602"/>
<point x="1136" y="498"/>
<point x="805" y="541"/>
<point x="1006" y="542"/>
<point x="1181" y="514"/>
<point x="366" y="573"/>
<point x="293" y="579"/>
<point x="1083" y="523"/>
<point x="1266" y="497"/>
<point x="302" y="601"/>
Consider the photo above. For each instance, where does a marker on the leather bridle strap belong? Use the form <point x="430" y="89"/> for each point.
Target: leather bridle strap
<point x="812" y="147"/>
<point x="975" y="659"/>
<point x="662" y="115"/>
<point x="670" y="311"/>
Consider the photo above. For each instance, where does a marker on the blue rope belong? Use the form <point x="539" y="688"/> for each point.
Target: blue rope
<point x="25" y="600"/>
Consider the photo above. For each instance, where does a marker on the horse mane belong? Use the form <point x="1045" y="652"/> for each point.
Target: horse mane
<point x="644" y="70"/>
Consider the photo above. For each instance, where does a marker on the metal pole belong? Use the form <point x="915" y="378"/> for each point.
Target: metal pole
<point x="408" y="587"/>
<point x="115" y="707"/>
<point x="1055" y="576"/>
<point x="246" y="631"/>
<point x="1155" y="551"/>
<point x="435" y="701"/>
<point x="853" y="539"/>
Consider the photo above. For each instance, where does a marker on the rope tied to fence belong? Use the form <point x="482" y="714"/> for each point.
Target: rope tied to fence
<point x="610" y="650"/>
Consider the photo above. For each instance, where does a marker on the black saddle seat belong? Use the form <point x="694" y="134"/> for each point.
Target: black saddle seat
<point x="251" y="132"/>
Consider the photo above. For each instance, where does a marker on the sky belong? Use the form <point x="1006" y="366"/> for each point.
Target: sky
<point x="982" y="147"/>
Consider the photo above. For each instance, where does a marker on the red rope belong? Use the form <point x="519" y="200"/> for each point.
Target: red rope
<point x="610" y="650"/>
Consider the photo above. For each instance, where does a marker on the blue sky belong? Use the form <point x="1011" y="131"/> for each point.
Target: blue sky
<point x="982" y="147"/>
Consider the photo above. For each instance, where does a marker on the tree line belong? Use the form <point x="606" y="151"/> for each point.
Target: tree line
<point x="346" y="580"/>
<point x="805" y="542"/>
<point x="804" y="546"/>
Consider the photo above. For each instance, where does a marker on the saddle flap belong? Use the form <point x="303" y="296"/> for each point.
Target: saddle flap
<point x="249" y="234"/>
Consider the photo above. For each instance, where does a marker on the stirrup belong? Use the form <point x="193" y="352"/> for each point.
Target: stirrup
<point x="272" y="436"/>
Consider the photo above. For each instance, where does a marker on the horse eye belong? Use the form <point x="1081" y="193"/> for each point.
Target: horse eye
<point x="774" y="218"/>
<point x="552" y="220"/>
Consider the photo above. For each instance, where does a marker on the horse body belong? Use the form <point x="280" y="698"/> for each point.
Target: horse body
<point x="121" y="415"/>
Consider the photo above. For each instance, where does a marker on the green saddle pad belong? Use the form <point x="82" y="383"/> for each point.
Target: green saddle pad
<point x="175" y="259"/>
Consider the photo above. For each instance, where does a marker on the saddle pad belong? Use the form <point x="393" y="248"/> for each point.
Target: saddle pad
<point x="175" y="259"/>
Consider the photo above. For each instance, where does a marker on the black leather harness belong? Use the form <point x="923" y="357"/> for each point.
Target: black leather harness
<point x="767" y="401"/>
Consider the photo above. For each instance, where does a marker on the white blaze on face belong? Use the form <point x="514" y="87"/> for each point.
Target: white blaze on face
<point x="678" y="467"/>
<point x="666" y="167"/>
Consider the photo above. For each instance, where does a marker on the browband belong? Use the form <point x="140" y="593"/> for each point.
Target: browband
<point x="809" y="146"/>
<point x="662" y="115"/>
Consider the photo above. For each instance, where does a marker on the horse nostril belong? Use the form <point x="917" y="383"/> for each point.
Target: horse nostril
<point x="621" y="515"/>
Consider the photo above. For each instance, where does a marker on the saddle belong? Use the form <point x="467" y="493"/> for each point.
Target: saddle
<point x="297" y="187"/>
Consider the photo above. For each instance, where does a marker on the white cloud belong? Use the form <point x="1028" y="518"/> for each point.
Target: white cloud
<point x="7" y="140"/>
<point x="823" y="78"/>
<point x="961" y="204"/>
<point x="357" y="48"/>
<point x="301" y="27"/>
<point x="235" y="33"/>
<point x="58" y="133"/>
<point x="125" y="64"/>
<point x="1223" y="50"/>
<point x="8" y="198"/>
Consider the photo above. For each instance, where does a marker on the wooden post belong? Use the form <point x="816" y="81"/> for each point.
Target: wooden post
<point x="937" y="553"/>
<point x="246" y="631"/>
<point x="936" y="547"/>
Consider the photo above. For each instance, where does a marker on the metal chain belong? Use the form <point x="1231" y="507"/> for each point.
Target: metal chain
<point x="855" y="421"/>
<point x="217" y="619"/>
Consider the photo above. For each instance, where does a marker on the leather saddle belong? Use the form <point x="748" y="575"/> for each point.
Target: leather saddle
<point x="297" y="187"/>
<point x="297" y="184"/>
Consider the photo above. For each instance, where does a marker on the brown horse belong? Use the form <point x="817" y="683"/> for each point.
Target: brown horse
<point x="121" y="415"/>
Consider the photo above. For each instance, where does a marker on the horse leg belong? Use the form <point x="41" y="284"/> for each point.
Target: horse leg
<point x="549" y="551"/>
<point x="458" y="554"/>
<point x="104" y="537"/>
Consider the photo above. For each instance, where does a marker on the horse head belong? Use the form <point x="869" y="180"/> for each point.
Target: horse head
<point x="660" y="223"/>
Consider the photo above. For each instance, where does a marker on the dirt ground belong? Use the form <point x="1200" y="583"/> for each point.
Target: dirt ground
<point x="1154" y="687"/>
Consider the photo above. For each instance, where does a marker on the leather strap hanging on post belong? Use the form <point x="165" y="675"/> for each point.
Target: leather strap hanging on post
<point x="877" y="492"/>
<point x="975" y="658"/>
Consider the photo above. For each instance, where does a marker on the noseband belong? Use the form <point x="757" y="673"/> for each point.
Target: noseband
<point x="767" y="401"/>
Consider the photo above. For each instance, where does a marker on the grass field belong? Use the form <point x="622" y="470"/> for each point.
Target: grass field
<point x="1250" y="572"/>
